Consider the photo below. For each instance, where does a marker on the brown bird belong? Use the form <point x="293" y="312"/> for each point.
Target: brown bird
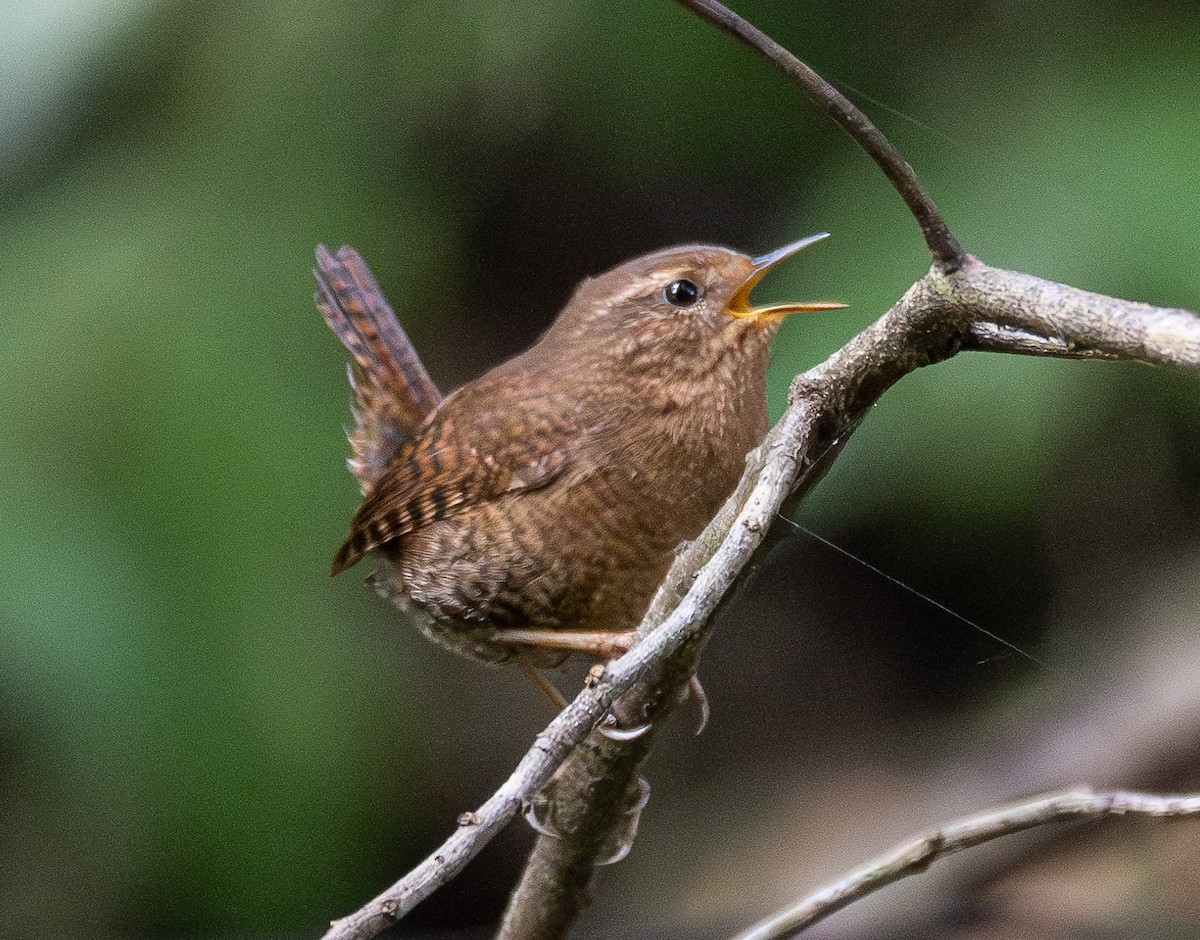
<point x="534" y="511"/>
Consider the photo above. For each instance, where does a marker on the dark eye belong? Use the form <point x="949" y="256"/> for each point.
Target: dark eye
<point x="681" y="293"/>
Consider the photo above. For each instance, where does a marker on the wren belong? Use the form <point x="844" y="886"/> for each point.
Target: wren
<point x="533" y="512"/>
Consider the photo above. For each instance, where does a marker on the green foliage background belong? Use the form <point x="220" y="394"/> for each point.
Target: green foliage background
<point x="203" y="733"/>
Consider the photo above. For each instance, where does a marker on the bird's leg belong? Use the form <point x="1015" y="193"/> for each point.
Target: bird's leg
<point x="545" y="686"/>
<point x="352" y="304"/>
<point x="605" y="644"/>
<point x="602" y="644"/>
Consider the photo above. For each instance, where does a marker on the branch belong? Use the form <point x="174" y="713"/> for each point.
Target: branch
<point x="916" y="856"/>
<point x="946" y="251"/>
<point x="594" y="805"/>
<point x="478" y="828"/>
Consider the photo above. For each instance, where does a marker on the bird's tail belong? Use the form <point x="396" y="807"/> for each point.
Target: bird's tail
<point x="393" y="393"/>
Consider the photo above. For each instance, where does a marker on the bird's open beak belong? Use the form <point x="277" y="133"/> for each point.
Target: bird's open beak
<point x="739" y="304"/>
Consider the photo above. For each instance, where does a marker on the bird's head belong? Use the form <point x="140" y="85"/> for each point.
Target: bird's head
<point x="680" y="310"/>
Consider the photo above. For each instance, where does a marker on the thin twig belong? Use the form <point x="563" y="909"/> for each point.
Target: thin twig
<point x="932" y="322"/>
<point x="915" y="857"/>
<point x="946" y="251"/>
<point x="478" y="828"/>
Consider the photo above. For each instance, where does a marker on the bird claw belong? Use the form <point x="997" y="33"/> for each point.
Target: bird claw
<point x="609" y="728"/>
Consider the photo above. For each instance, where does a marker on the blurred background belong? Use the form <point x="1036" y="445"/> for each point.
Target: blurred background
<point x="204" y="736"/>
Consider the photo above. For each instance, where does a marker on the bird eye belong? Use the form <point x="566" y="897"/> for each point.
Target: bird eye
<point x="681" y="293"/>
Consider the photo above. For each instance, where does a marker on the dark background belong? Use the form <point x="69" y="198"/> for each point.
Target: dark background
<point x="204" y="736"/>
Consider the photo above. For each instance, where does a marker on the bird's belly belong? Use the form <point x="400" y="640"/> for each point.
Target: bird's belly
<point x="587" y="555"/>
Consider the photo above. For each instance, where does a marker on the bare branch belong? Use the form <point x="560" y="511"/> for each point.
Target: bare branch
<point x="480" y="827"/>
<point x="915" y="857"/>
<point x="946" y="251"/>
<point x="933" y="321"/>
<point x="1087" y="325"/>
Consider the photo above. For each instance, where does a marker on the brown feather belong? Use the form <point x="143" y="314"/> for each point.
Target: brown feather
<point x="433" y="476"/>
<point x="393" y="393"/>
